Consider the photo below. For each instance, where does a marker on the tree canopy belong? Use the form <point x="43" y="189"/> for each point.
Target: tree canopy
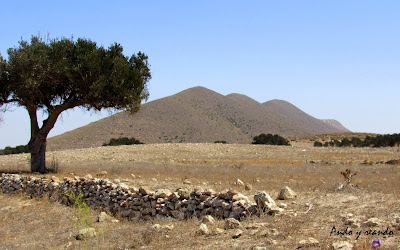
<point x="61" y="74"/>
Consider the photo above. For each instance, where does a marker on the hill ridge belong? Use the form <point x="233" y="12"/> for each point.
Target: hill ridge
<point x="199" y="115"/>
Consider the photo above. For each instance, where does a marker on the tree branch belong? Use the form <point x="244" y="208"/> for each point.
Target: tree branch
<point x="48" y="124"/>
<point x="9" y="101"/>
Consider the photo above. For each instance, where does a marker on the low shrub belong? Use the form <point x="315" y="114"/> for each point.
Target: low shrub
<point x="223" y="142"/>
<point x="122" y="141"/>
<point x="14" y="150"/>
<point x="270" y="139"/>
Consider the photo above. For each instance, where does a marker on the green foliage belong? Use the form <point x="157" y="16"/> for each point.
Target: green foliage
<point x="61" y="74"/>
<point x="318" y="144"/>
<point x="82" y="215"/>
<point x="222" y="142"/>
<point x="47" y="74"/>
<point x="14" y="150"/>
<point x="369" y="141"/>
<point x="122" y="141"/>
<point x="270" y="139"/>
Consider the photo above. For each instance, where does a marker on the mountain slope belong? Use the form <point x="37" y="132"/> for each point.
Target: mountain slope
<point x="310" y="124"/>
<point x="196" y="115"/>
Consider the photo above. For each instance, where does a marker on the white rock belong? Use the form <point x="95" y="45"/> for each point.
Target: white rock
<point x="208" y="219"/>
<point x="162" y="193"/>
<point x="203" y="230"/>
<point x="239" y="182"/>
<point x="343" y="245"/>
<point x="287" y="193"/>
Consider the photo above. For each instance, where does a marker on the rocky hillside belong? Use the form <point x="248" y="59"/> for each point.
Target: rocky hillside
<point x="197" y="115"/>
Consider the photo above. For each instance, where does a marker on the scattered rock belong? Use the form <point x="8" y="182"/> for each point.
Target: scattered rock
<point x="88" y="176"/>
<point x="133" y="176"/>
<point x="144" y="191"/>
<point x="86" y="233"/>
<point x="287" y="193"/>
<point x="281" y="205"/>
<point x="231" y="223"/>
<point x="217" y="231"/>
<point x="372" y="222"/>
<point x="162" y="193"/>
<point x="237" y="233"/>
<point x="168" y="226"/>
<point x="103" y="216"/>
<point x="248" y="187"/>
<point x="263" y="200"/>
<point x="187" y="182"/>
<point x="208" y="219"/>
<point x="343" y="245"/>
<point x="102" y="174"/>
<point x="154" y="179"/>
<point x="55" y="179"/>
<point x="310" y="242"/>
<point x="239" y="182"/>
<point x="203" y="230"/>
<point x="7" y="208"/>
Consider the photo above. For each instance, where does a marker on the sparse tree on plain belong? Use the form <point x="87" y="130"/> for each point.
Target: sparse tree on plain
<point x="61" y="74"/>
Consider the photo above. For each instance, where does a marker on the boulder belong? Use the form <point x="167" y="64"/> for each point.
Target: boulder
<point x="231" y="223"/>
<point x="208" y="219"/>
<point x="237" y="233"/>
<point x="287" y="193"/>
<point x="55" y="179"/>
<point x="264" y="200"/>
<point x="162" y="193"/>
<point x="103" y="216"/>
<point x="203" y="230"/>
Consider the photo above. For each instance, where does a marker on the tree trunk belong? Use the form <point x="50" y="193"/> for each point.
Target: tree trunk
<point x="37" y="148"/>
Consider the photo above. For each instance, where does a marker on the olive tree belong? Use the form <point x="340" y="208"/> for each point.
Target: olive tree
<point x="61" y="74"/>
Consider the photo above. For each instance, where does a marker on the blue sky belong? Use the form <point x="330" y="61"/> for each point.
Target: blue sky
<point x="332" y="59"/>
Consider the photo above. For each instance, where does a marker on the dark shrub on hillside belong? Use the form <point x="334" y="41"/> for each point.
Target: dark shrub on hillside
<point x="318" y="144"/>
<point x="270" y="139"/>
<point x="369" y="141"/>
<point x="223" y="142"/>
<point x="122" y="141"/>
<point x="17" y="150"/>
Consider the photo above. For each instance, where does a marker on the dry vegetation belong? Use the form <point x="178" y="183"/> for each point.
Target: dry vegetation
<point x="314" y="173"/>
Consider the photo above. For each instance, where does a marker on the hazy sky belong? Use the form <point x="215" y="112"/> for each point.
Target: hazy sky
<point x="332" y="59"/>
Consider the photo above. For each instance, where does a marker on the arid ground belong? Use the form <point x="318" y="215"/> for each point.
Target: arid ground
<point x="372" y="203"/>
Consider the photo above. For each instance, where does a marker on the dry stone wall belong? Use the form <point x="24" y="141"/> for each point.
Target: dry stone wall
<point x="131" y="202"/>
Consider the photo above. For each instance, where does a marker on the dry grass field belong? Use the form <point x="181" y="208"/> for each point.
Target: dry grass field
<point x="313" y="173"/>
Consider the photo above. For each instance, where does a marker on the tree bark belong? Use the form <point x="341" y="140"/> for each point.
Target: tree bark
<point x="37" y="148"/>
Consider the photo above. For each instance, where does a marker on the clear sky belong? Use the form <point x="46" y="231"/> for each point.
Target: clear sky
<point x="332" y="59"/>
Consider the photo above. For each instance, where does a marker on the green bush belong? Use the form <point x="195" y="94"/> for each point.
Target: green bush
<point x="269" y="139"/>
<point x="369" y="141"/>
<point x="122" y="141"/>
<point x="16" y="150"/>
<point x="318" y="144"/>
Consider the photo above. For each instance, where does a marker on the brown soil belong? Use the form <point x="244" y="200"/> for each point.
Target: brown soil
<point x="313" y="173"/>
